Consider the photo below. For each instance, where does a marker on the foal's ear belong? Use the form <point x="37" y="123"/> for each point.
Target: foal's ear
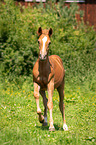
<point x="39" y="31"/>
<point x="50" y="31"/>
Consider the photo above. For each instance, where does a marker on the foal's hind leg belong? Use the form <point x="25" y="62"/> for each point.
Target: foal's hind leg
<point x="36" y="96"/>
<point x="61" y="104"/>
<point x="45" y="107"/>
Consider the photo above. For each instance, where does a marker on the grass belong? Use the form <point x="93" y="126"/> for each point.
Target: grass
<point x="19" y="121"/>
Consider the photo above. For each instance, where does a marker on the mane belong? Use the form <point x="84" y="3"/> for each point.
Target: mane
<point x="45" y="31"/>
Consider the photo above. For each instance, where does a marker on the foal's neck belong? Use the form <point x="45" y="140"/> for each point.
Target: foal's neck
<point x="44" y="62"/>
<point x="43" y="65"/>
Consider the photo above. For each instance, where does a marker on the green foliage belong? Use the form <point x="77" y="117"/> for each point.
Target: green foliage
<point x="17" y="39"/>
<point x="73" y="42"/>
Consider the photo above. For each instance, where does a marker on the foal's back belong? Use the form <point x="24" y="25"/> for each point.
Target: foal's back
<point x="59" y="72"/>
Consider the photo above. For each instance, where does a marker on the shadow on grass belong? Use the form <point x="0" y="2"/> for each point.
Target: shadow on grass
<point x="47" y="127"/>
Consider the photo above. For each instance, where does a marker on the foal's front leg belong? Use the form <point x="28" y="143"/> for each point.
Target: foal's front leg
<point x="36" y="96"/>
<point x="45" y="107"/>
<point x="50" y="104"/>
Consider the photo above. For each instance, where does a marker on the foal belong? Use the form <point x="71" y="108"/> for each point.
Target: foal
<point x="48" y="74"/>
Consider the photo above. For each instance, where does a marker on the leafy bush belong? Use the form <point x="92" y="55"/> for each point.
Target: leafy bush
<point x="73" y="42"/>
<point x="17" y="39"/>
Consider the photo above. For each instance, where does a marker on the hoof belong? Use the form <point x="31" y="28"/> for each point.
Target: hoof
<point x="51" y="129"/>
<point x="44" y="124"/>
<point x="41" y="118"/>
<point x="65" y="127"/>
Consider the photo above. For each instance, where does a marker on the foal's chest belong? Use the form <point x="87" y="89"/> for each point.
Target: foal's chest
<point x="42" y="81"/>
<point x="42" y="74"/>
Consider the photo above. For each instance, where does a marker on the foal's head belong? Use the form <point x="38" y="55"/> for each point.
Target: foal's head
<point x="44" y="42"/>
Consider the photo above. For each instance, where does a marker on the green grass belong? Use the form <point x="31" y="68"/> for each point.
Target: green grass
<point x="19" y="121"/>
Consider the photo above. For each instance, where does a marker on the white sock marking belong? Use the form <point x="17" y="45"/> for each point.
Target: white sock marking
<point x="65" y="127"/>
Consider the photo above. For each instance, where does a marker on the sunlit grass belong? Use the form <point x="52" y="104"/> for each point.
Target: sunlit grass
<point x="19" y="121"/>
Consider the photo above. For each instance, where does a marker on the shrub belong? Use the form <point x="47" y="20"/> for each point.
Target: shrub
<point x="73" y="42"/>
<point x="17" y="39"/>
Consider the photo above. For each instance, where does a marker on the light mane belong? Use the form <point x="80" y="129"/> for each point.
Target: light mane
<point x="45" y="31"/>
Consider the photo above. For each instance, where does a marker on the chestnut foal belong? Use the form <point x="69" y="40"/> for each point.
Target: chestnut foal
<point x="48" y="74"/>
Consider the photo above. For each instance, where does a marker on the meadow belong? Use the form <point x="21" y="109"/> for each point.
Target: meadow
<point x="19" y="120"/>
<point x="75" y="43"/>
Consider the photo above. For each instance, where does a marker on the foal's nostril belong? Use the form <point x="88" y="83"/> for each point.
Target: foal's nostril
<point x="40" y="55"/>
<point x="45" y="57"/>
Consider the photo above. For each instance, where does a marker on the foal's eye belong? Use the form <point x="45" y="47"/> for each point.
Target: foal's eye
<point x="49" y="43"/>
<point x="38" y="42"/>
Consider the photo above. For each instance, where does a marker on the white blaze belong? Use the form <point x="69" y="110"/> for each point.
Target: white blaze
<point x="44" y="41"/>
